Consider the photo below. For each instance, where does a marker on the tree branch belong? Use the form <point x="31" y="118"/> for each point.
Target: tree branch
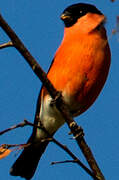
<point x="50" y="138"/>
<point x="62" y="107"/>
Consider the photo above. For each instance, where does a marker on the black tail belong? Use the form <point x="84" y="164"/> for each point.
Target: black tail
<point x="27" y="162"/>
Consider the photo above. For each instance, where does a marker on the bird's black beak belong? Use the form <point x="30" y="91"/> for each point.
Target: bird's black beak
<point x="65" y="15"/>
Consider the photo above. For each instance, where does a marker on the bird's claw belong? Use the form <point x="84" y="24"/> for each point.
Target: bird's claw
<point x="77" y="131"/>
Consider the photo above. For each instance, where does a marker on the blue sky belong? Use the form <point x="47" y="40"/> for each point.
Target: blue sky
<point x="38" y="25"/>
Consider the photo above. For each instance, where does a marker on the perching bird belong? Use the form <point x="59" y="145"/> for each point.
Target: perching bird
<point x="79" y="70"/>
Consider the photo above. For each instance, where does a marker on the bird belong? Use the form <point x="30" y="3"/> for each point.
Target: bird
<point x="79" y="71"/>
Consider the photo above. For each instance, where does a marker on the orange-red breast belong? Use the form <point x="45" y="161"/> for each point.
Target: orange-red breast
<point x="79" y="70"/>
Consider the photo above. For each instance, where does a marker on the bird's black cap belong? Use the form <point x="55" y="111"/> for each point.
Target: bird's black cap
<point x="75" y="11"/>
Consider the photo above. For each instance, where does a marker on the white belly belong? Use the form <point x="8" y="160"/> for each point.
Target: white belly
<point x="50" y="118"/>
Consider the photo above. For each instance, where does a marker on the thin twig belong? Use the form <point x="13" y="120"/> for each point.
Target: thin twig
<point x="22" y="124"/>
<point x="5" y="45"/>
<point x="62" y="162"/>
<point x="59" y="102"/>
<point x="18" y="146"/>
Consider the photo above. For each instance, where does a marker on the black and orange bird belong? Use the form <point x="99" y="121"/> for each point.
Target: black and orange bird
<point x="79" y="70"/>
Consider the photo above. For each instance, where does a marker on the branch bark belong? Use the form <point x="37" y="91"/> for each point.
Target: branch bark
<point x="62" y="107"/>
